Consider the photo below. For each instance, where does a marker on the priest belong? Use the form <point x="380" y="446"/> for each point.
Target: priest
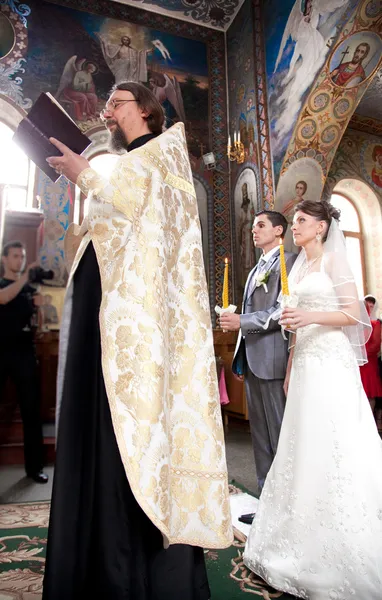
<point x="140" y="482"/>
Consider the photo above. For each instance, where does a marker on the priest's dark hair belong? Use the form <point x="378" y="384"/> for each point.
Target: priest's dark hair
<point x="275" y="218"/>
<point x="146" y="101"/>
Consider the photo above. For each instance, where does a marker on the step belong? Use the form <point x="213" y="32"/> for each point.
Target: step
<point x="11" y="433"/>
<point x="13" y="453"/>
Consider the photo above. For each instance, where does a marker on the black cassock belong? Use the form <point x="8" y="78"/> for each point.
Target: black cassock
<point x="101" y="544"/>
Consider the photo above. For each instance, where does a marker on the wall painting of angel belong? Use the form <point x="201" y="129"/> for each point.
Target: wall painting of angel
<point x="80" y="56"/>
<point x="76" y="91"/>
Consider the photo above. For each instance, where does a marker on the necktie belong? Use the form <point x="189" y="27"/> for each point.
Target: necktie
<point x="256" y="273"/>
<point x="261" y="264"/>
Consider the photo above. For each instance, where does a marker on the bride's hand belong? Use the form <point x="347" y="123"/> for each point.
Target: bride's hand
<point x="286" y="384"/>
<point x="293" y="318"/>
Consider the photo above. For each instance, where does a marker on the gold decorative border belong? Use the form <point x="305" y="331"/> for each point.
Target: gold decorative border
<point x="172" y="180"/>
<point x="366" y="124"/>
<point x="263" y="131"/>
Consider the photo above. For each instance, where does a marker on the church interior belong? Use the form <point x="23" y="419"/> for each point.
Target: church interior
<point x="281" y="102"/>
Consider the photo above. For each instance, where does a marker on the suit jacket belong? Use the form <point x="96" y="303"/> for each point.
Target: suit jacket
<point x="265" y="350"/>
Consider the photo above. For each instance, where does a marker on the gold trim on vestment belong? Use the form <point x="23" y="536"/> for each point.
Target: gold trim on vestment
<point x="169" y="178"/>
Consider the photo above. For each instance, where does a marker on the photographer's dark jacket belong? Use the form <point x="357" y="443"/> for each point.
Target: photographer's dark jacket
<point x="16" y="316"/>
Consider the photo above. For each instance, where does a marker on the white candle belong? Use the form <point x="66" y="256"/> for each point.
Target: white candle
<point x="238" y="136"/>
<point x="229" y="141"/>
<point x="234" y="137"/>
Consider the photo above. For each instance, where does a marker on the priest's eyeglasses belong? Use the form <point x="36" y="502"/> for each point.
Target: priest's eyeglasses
<point x="112" y="105"/>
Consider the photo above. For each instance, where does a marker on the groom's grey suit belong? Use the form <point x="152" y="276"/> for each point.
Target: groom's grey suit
<point x="261" y="355"/>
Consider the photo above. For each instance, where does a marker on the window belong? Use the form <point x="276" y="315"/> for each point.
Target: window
<point x="350" y="225"/>
<point x="16" y="172"/>
<point x="103" y="164"/>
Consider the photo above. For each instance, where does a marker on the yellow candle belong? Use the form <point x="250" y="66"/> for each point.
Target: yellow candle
<point x="225" y="285"/>
<point x="283" y="271"/>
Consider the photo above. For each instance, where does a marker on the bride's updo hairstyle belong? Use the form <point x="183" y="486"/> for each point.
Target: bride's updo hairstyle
<point x="321" y="211"/>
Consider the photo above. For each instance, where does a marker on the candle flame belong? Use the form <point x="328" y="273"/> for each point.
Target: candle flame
<point x="226" y="261"/>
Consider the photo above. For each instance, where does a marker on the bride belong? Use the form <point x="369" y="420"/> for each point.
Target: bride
<point x="317" y="533"/>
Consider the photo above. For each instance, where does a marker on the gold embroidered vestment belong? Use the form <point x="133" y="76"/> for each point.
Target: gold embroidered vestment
<point x="157" y="347"/>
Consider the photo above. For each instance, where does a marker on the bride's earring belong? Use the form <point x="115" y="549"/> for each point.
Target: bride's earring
<point x="318" y="237"/>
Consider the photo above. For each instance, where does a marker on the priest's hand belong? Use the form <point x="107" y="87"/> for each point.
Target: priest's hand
<point x="70" y="164"/>
<point x="230" y="321"/>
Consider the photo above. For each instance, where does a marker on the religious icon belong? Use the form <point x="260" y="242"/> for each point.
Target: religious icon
<point x="244" y="209"/>
<point x="240" y="93"/>
<point x="376" y="173"/>
<point x="77" y="89"/>
<point x="355" y="59"/>
<point x="49" y="311"/>
<point x="126" y="62"/>
<point x="300" y="190"/>
<point x="247" y="250"/>
<point x="302" y="180"/>
<point x="351" y="73"/>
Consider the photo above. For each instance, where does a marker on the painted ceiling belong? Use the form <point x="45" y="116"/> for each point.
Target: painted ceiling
<point x="371" y="104"/>
<point x="217" y="14"/>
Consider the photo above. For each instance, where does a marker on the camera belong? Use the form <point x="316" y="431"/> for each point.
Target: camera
<point x="38" y="274"/>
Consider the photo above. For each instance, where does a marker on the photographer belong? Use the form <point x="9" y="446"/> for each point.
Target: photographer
<point x="18" y="306"/>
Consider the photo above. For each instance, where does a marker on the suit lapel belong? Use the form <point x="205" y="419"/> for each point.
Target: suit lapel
<point x="249" y="279"/>
<point x="268" y="266"/>
<point x="272" y="261"/>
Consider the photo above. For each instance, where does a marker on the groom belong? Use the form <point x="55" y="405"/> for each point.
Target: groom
<point x="261" y="354"/>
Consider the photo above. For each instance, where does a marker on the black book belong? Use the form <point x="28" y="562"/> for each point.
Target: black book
<point x="48" y="119"/>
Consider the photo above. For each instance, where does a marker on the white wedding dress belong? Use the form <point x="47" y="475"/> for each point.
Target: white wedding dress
<point x="318" y="530"/>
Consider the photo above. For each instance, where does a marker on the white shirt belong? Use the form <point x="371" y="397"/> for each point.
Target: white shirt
<point x="264" y="258"/>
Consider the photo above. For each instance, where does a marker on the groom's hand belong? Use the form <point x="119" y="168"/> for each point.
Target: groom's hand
<point x="230" y="321"/>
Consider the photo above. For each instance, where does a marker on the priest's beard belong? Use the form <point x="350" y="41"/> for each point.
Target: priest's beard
<point x="118" y="142"/>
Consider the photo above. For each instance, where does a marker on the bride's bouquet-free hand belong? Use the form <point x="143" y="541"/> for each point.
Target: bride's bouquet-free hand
<point x="288" y="301"/>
